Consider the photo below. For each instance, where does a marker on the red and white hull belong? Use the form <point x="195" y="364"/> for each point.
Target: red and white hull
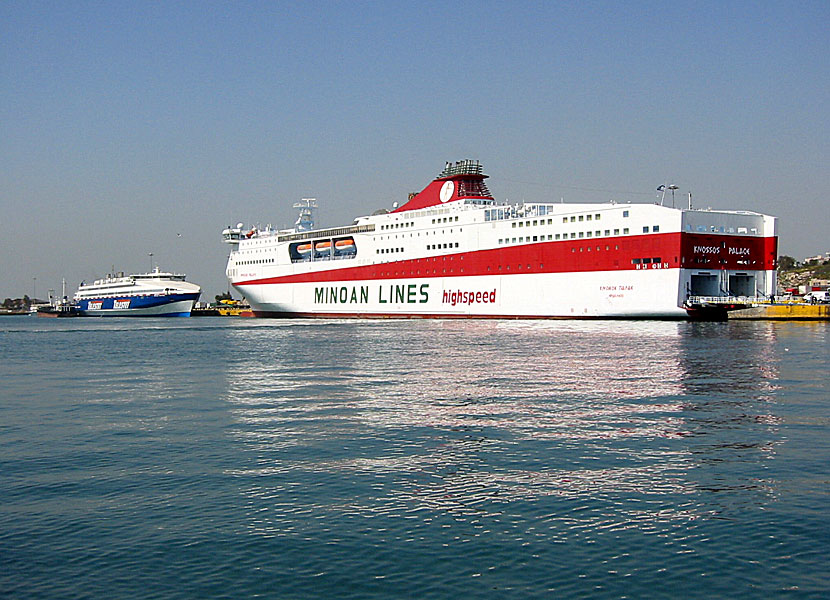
<point x="453" y="252"/>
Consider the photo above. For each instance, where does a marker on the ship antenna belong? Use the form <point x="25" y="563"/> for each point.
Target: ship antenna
<point x="662" y="190"/>
<point x="672" y="187"/>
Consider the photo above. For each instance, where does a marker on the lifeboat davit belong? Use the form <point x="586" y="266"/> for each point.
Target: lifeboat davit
<point x="344" y="245"/>
<point x="322" y="246"/>
<point x="304" y="248"/>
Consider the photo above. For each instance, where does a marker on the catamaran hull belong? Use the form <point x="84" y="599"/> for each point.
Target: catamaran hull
<point x="139" y="307"/>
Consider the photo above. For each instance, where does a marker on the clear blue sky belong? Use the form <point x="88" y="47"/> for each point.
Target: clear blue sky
<point x="135" y="127"/>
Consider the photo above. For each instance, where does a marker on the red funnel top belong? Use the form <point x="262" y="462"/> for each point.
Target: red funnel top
<point x="459" y="181"/>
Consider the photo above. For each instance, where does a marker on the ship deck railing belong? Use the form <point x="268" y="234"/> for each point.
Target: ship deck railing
<point x="726" y="300"/>
<point x="326" y="233"/>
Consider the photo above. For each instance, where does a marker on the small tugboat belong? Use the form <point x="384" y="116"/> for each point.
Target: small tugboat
<point x="59" y="308"/>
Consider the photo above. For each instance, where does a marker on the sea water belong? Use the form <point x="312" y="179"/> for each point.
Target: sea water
<point x="244" y="458"/>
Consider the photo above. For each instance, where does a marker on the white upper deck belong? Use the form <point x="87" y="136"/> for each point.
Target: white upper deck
<point x="154" y="282"/>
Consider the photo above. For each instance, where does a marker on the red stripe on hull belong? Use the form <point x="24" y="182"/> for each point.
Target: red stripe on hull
<point x="672" y="250"/>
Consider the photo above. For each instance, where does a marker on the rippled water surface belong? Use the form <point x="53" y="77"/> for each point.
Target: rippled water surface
<point x="241" y="458"/>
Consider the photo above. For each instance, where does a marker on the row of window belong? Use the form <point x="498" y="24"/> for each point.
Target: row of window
<point x="533" y="223"/>
<point x="560" y="236"/>
<point x="522" y="240"/>
<point x="721" y="229"/>
<point x="408" y="224"/>
<point x="497" y="214"/>
<point x="399" y="225"/>
<point x="539" y="210"/>
<point x="646" y="228"/>
<point x="573" y="219"/>
<point x="599" y="248"/>
<point x="445" y="246"/>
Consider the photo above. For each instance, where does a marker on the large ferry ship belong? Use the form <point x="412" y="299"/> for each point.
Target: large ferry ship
<point x="154" y="294"/>
<point x="453" y="251"/>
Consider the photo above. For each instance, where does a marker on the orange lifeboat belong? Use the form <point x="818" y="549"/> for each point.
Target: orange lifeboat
<point x="344" y="245"/>
<point x="304" y="248"/>
<point x="323" y="246"/>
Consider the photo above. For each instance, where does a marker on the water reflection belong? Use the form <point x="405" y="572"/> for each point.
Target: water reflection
<point x="467" y="418"/>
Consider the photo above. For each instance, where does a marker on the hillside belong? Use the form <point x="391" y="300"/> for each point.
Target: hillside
<point x="792" y="274"/>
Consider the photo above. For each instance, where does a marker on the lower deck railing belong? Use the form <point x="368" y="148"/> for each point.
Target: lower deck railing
<point x="725" y="300"/>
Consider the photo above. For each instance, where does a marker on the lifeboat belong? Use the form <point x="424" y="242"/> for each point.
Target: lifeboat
<point x="344" y="245"/>
<point x="323" y="246"/>
<point x="304" y="249"/>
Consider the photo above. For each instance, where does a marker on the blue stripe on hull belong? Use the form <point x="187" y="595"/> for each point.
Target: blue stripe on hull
<point x="175" y="305"/>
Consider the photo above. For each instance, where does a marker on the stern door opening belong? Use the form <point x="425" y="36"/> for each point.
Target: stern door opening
<point x="705" y="285"/>
<point x="742" y="285"/>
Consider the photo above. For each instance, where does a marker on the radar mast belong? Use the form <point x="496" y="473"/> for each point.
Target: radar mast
<point x="305" y="222"/>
